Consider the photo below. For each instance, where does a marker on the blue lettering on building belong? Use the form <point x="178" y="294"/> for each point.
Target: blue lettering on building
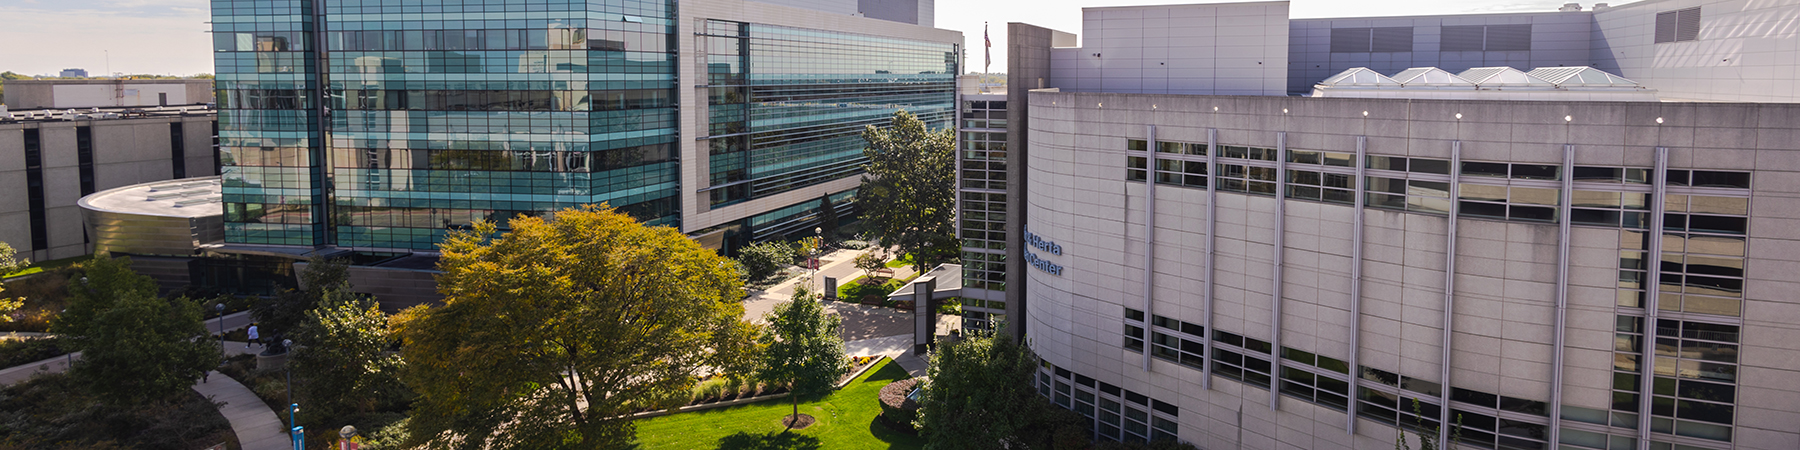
<point x="1042" y="264"/>
<point x="1046" y="246"/>
<point x="1041" y="244"/>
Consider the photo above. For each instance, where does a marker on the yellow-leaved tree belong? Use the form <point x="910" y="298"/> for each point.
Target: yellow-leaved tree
<point x="9" y="265"/>
<point x="551" y="333"/>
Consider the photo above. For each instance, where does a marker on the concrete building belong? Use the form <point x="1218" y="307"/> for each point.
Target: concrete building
<point x="729" y="119"/>
<point x="107" y="93"/>
<point x="50" y="159"/>
<point x="1602" y="260"/>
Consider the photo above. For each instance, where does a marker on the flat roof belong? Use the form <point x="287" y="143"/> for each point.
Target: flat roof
<point x="185" y="197"/>
<point x="38" y="115"/>
<point x="55" y="81"/>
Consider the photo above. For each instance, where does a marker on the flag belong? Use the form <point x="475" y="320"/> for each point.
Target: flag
<point x="989" y="51"/>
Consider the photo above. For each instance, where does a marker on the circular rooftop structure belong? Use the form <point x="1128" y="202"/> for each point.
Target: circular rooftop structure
<point x="166" y="218"/>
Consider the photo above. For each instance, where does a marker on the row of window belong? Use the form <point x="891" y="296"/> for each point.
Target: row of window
<point x="1118" y="414"/>
<point x="1324" y="381"/>
<point x="1693" y="391"/>
<point x="496" y="160"/>
<point x="497" y="100"/>
<point x="1522" y="171"/>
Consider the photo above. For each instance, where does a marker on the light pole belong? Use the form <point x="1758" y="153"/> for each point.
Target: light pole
<point x="220" y="309"/>
<point x="287" y="345"/>
<point x="68" y="356"/>
<point x="818" y="249"/>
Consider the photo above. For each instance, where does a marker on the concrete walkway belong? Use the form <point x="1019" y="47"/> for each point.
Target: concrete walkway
<point x="257" y="427"/>
<point x="840" y="264"/>
<point x="60" y="364"/>
<point x="897" y="347"/>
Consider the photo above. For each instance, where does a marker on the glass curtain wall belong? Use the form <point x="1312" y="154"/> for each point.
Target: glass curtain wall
<point x="269" y="133"/>
<point x="442" y="113"/>
<point x="789" y="104"/>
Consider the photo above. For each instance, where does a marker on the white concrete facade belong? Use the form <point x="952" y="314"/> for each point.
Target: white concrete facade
<point x="124" y="152"/>
<point x="1222" y="49"/>
<point x="1504" y="333"/>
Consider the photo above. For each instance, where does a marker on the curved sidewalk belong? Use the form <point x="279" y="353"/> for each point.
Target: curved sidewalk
<point x="257" y="427"/>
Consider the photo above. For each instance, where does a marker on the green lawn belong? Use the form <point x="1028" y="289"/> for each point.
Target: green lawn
<point x="846" y="420"/>
<point x="854" y="290"/>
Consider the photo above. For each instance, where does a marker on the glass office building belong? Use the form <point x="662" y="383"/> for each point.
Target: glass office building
<point x="486" y="111"/>
<point x="788" y="106"/>
<point x="380" y="125"/>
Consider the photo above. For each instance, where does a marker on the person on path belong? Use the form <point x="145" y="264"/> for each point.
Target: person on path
<point x="255" y="338"/>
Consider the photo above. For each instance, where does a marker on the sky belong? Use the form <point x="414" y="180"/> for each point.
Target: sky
<point x="168" y="37"/>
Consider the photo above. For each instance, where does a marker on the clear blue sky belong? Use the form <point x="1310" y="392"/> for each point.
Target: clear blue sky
<point x="169" y="36"/>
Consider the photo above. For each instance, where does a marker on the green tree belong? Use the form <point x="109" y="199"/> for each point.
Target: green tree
<point x="802" y="349"/>
<point x="284" y="314"/>
<point x="980" y="395"/>
<point x="870" y="262"/>
<point x="551" y="333"/>
<point x="828" y="218"/>
<point x="135" y="347"/>
<point x="9" y="265"/>
<point x="763" y="259"/>
<point x="908" y="195"/>
<point x="344" y="366"/>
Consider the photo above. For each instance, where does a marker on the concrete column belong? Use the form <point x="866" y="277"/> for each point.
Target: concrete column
<point x="924" y="318"/>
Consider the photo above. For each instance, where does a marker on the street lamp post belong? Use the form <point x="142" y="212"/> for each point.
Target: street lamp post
<point x="287" y="345"/>
<point x="220" y="309"/>
<point x="68" y="356"/>
<point x="818" y="250"/>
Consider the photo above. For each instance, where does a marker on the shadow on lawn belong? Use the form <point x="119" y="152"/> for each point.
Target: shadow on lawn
<point x="769" y="441"/>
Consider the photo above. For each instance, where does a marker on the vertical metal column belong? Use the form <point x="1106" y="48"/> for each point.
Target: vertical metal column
<point x="1562" y="291"/>
<point x="1449" y="290"/>
<point x="1276" y="264"/>
<point x="1356" y="263"/>
<point x="1647" y="355"/>
<point x="1212" y="229"/>
<point x="1149" y="239"/>
<point x="322" y="162"/>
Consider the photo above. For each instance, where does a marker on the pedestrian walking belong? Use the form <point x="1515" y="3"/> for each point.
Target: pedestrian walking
<point x="255" y="337"/>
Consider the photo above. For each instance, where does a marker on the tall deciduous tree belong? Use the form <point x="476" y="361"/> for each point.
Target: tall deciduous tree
<point x="802" y="349"/>
<point x="9" y="265"/>
<point x="980" y="395"/>
<point x="345" y="366"/>
<point x="135" y="347"/>
<point x="551" y="333"/>
<point x="284" y="314"/>
<point x="909" y="193"/>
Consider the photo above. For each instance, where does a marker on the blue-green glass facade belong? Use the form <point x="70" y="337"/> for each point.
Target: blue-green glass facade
<point x="787" y="105"/>
<point x="270" y="136"/>
<point x="437" y="114"/>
